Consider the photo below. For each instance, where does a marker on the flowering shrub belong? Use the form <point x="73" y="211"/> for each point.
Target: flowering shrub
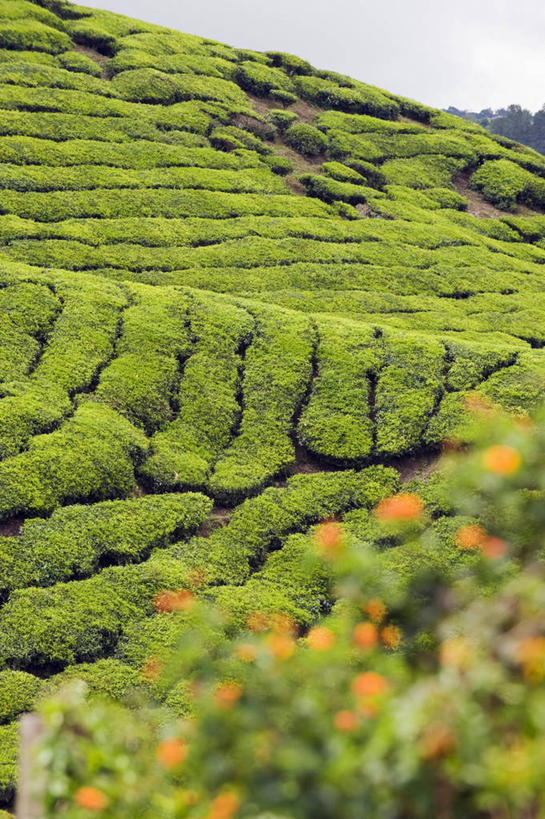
<point x="386" y="707"/>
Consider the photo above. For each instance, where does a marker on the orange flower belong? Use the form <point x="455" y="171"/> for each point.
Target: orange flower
<point x="228" y="694"/>
<point x="400" y="508"/>
<point x="369" y="684"/>
<point x="91" y="799"/>
<point x="391" y="637"/>
<point x="196" y="577"/>
<point x="456" y="652"/>
<point x="329" y="539"/>
<point x="436" y="742"/>
<point x="171" y="753"/>
<point x="152" y="668"/>
<point x="345" y="721"/>
<point x="477" y="403"/>
<point x="321" y="639"/>
<point x="531" y="655"/>
<point x="246" y="652"/>
<point x="281" y="646"/>
<point x="365" y="635"/>
<point x="257" y="621"/>
<point x="180" y="600"/>
<point x="494" y="548"/>
<point x="283" y="624"/>
<point x="376" y="610"/>
<point x="502" y="460"/>
<point x="224" y="806"/>
<point x="471" y="537"/>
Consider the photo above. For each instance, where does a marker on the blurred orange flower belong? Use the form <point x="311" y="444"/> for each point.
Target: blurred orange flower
<point x="376" y="610"/>
<point x="391" y="636"/>
<point x="180" y="600"/>
<point x="437" y="741"/>
<point x="456" y="652"/>
<point x="257" y="621"/>
<point x="471" y="537"/>
<point x="282" y="623"/>
<point x="400" y="508"/>
<point x="228" y="694"/>
<point x="91" y="799"/>
<point x="494" y="548"/>
<point x="152" y="668"/>
<point x="531" y="655"/>
<point x="246" y="652"/>
<point x="171" y="753"/>
<point x="501" y="459"/>
<point x="329" y="539"/>
<point x="224" y="806"/>
<point x="365" y="635"/>
<point x="281" y="646"/>
<point x="345" y="721"/>
<point x="321" y="639"/>
<point x="369" y="684"/>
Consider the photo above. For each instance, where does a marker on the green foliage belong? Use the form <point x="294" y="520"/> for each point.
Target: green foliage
<point x="18" y="692"/>
<point x="184" y="452"/>
<point x="306" y="139"/>
<point x="277" y="369"/>
<point x="351" y="96"/>
<point x="89" y="457"/>
<point x="282" y="119"/>
<point x="261" y="79"/>
<point x="328" y="189"/>
<point x="33" y="35"/>
<point x="80" y="63"/>
<point x="337" y="422"/>
<point x="76" y="540"/>
<point x="504" y="184"/>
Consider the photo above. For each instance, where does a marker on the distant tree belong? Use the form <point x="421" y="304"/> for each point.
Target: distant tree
<point x="514" y="122"/>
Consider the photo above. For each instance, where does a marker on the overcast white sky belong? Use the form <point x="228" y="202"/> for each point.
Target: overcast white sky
<point x="468" y="53"/>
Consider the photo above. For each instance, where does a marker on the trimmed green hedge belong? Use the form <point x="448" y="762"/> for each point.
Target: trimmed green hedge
<point x="261" y="79"/>
<point x="306" y="139"/>
<point x="79" y="63"/>
<point x="505" y="184"/>
<point x="89" y="458"/>
<point x="33" y="35"/>
<point x="184" y="452"/>
<point x="277" y="369"/>
<point x="76" y="540"/>
<point x="18" y="692"/>
<point x="80" y="342"/>
<point x="337" y="422"/>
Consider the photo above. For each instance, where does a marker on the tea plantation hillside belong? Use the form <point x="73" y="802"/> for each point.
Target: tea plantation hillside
<point x="235" y="293"/>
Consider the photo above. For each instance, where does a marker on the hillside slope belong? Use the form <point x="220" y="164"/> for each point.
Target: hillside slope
<point x="220" y="269"/>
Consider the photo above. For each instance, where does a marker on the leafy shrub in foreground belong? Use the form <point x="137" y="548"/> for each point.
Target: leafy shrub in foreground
<point x="374" y="709"/>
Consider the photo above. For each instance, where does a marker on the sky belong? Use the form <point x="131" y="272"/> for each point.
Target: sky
<point x="472" y="54"/>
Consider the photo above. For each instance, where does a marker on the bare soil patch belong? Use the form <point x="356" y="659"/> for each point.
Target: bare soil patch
<point x="11" y="527"/>
<point x="476" y="204"/>
<point x="218" y="517"/>
<point x="96" y="56"/>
